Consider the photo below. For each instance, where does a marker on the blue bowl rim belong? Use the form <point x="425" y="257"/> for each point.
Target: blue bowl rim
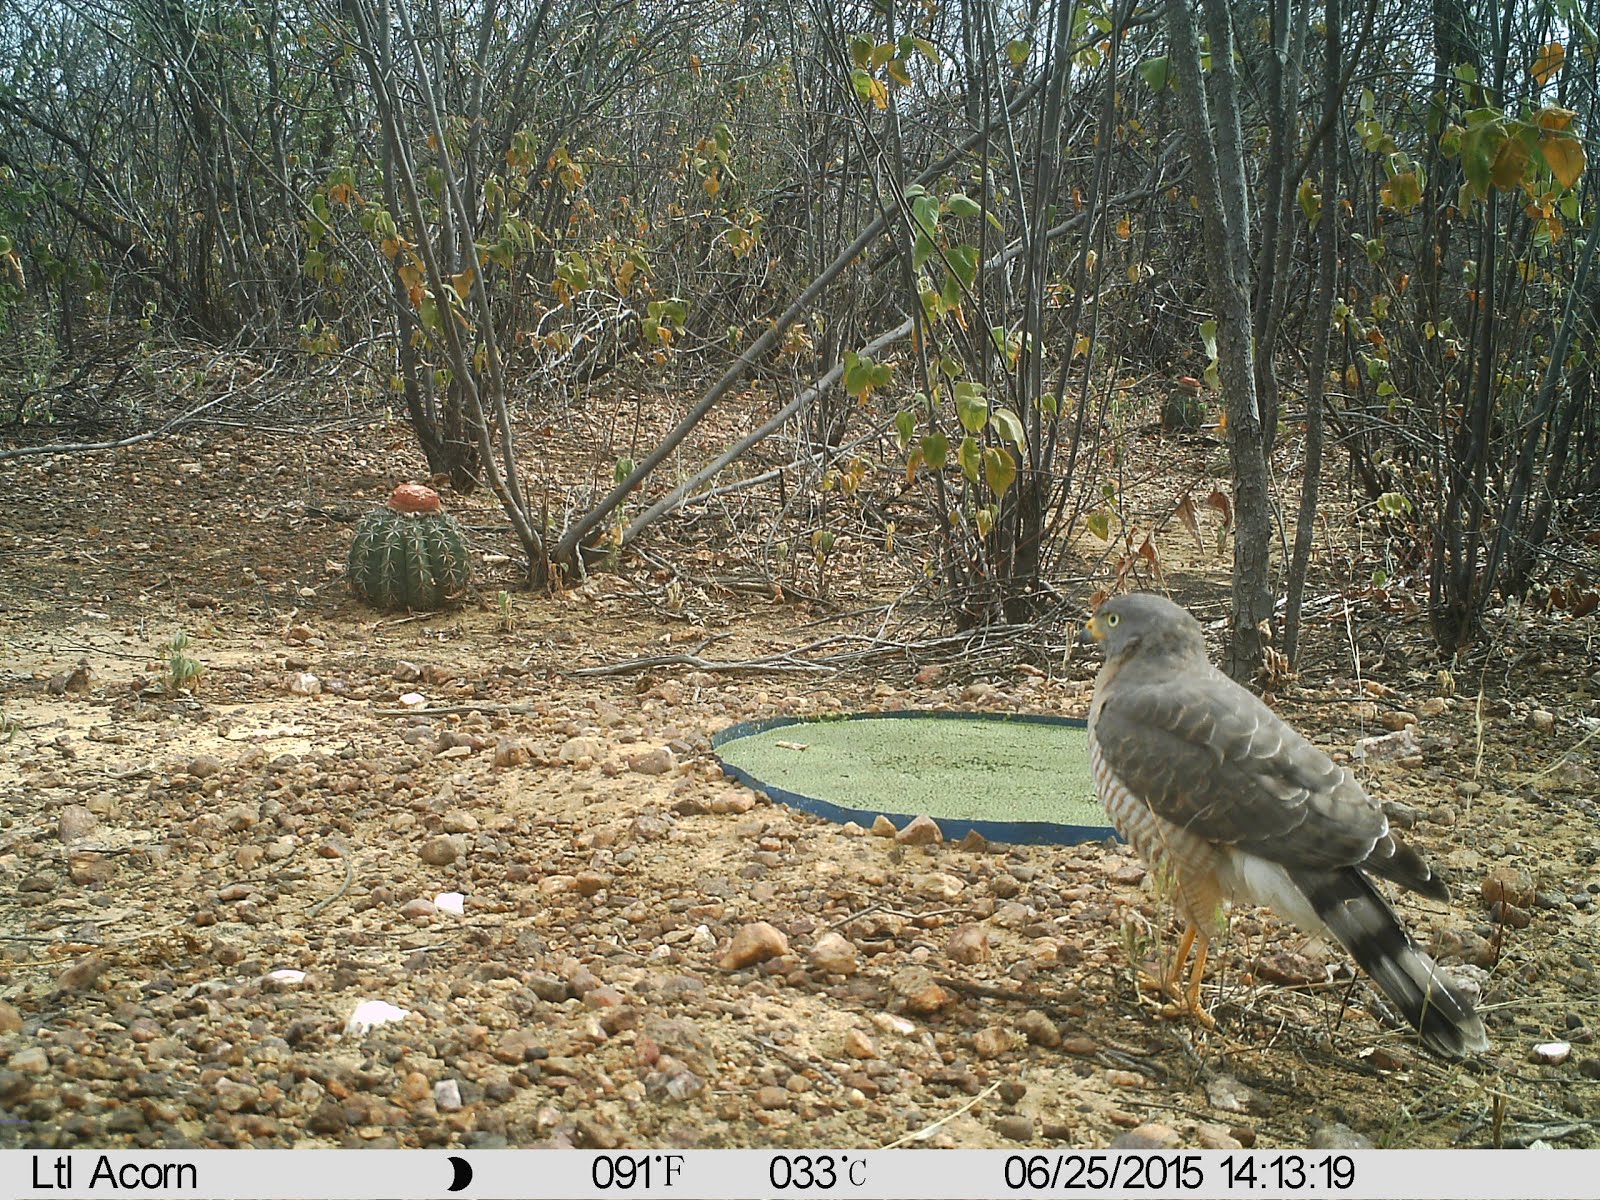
<point x="1024" y="833"/>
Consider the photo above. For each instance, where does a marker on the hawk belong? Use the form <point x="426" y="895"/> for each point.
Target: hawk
<point x="1207" y="783"/>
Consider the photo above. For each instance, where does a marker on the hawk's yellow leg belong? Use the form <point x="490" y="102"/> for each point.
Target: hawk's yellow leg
<point x="1184" y="1002"/>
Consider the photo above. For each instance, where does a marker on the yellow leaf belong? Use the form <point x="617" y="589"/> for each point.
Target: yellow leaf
<point x="984" y="520"/>
<point x="1509" y="163"/>
<point x="463" y="282"/>
<point x="1565" y="156"/>
<point x="1124" y="229"/>
<point x="1548" y="63"/>
<point x="1553" y="119"/>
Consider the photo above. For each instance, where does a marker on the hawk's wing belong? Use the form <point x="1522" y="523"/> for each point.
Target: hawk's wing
<point x="1207" y="755"/>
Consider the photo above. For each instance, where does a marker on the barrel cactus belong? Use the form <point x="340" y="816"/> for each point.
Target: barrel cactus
<point x="410" y="553"/>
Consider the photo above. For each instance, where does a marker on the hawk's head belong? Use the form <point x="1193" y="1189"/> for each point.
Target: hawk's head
<point x="1146" y="622"/>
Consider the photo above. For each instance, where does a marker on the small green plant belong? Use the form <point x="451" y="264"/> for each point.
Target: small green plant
<point x="183" y="670"/>
<point x="410" y="553"/>
<point x="508" y="619"/>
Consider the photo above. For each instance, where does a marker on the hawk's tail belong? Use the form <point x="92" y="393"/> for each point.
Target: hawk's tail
<point x="1357" y="914"/>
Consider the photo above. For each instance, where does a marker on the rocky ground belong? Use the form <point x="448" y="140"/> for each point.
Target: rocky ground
<point x="599" y="941"/>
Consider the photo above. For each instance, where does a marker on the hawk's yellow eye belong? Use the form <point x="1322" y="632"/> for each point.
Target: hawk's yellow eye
<point x="1111" y="620"/>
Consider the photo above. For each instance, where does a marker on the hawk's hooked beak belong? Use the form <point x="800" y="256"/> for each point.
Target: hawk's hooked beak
<point x="1091" y="632"/>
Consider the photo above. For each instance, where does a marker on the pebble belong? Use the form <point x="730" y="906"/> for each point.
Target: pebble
<point x="1004" y="886"/>
<point x="1149" y="1136"/>
<point x="993" y="1041"/>
<point x="858" y="1045"/>
<point x="928" y="999"/>
<point x="303" y="683"/>
<point x="754" y="943"/>
<point x="1215" y="1137"/>
<point x="1541" y="720"/>
<point x="921" y="831"/>
<point x="835" y="955"/>
<point x="447" y="1095"/>
<point x="32" y="1061"/>
<point x="582" y="751"/>
<point x="459" y="821"/>
<point x="418" y="909"/>
<point x="1016" y="1127"/>
<point x="82" y="973"/>
<point x="1336" y="1135"/>
<point x="1551" y="1054"/>
<point x="203" y="766"/>
<point x="771" y="1098"/>
<point x="97" y="869"/>
<point x="10" y="1018"/>
<point x="439" y="851"/>
<point x="969" y="945"/>
<point x="1386" y="746"/>
<point x="1397" y="719"/>
<point x="1227" y="1094"/>
<point x="75" y="823"/>
<point x="1039" y="1029"/>
<point x="509" y="752"/>
<point x="656" y="761"/>
<point x="940" y="885"/>
<point x="1508" y="885"/>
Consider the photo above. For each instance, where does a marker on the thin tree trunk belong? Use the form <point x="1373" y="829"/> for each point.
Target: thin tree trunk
<point x="1321" y="333"/>
<point x="1219" y="182"/>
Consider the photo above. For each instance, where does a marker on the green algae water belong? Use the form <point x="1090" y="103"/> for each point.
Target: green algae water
<point x="986" y="770"/>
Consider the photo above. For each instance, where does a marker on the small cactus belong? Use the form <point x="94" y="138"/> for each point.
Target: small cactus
<point x="410" y="553"/>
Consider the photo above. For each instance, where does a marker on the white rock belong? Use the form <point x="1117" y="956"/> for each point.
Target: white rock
<point x="413" y="700"/>
<point x="304" y="683"/>
<point x="1552" y="1053"/>
<point x="287" y="977"/>
<point x="369" y="1014"/>
<point x="447" y="1095"/>
<point x="450" y="902"/>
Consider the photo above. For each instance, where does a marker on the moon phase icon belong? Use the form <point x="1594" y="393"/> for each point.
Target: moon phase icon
<point x="462" y="1173"/>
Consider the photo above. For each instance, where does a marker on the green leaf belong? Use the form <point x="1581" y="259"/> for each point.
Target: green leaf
<point x="972" y="408"/>
<point x="1009" y="426"/>
<point x="1208" y="337"/>
<point x="1099" y="523"/>
<point x="962" y="205"/>
<point x="1156" y="72"/>
<point x="935" y="450"/>
<point x="905" y="424"/>
<point x="1310" y="202"/>
<point x="964" y="262"/>
<point x="999" y="469"/>
<point x="970" y="457"/>
<point x="925" y="214"/>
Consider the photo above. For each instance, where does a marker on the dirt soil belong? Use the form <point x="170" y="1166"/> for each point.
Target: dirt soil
<point x="199" y="887"/>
